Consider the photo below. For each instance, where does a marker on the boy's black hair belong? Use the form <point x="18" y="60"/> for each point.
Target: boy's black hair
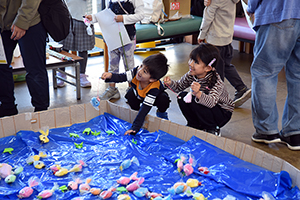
<point x="157" y="65"/>
<point x="207" y="52"/>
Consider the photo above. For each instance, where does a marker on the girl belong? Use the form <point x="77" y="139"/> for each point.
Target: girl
<point x="210" y="107"/>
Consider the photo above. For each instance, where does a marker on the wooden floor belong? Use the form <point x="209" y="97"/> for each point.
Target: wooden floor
<point x="239" y="128"/>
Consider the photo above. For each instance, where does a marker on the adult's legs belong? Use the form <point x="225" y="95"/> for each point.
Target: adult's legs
<point x="33" y="51"/>
<point x="7" y="98"/>
<point x="273" y="46"/>
<point x="291" y="113"/>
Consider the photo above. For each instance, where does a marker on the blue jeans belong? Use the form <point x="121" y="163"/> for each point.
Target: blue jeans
<point x="33" y="51"/>
<point x="276" y="46"/>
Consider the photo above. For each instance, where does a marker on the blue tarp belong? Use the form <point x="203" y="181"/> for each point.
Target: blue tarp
<point x="156" y="153"/>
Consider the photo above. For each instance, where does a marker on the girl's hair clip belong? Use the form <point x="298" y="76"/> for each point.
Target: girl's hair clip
<point x="212" y="62"/>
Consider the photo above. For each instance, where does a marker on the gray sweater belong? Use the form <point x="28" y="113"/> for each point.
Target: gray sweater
<point x="218" y="22"/>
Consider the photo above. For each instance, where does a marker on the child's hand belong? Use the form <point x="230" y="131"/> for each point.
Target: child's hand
<point x="207" y="2"/>
<point x="196" y="88"/>
<point x="106" y="75"/>
<point x="89" y="17"/>
<point x="167" y="81"/>
<point x="129" y="132"/>
<point x="119" y="18"/>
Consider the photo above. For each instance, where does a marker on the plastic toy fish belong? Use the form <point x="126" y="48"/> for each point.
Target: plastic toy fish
<point x="47" y="193"/>
<point x="39" y="164"/>
<point x="78" y="167"/>
<point x="127" y="163"/>
<point x="121" y="189"/>
<point x="87" y="131"/>
<point x="95" y="133"/>
<point x="95" y="101"/>
<point x="199" y="196"/>
<point x="188" y="168"/>
<point x="73" y="185"/>
<point x="124" y="197"/>
<point x="188" y="96"/>
<point x="163" y="198"/>
<point x="74" y="135"/>
<point x="61" y="172"/>
<point x="180" y="162"/>
<point x="125" y="180"/>
<point x="44" y="136"/>
<point x="85" y="187"/>
<point x="27" y="191"/>
<point x="204" y="170"/>
<point x="30" y="160"/>
<point x="10" y="178"/>
<point x="8" y="150"/>
<point x="78" y="146"/>
<point x="55" y="168"/>
<point x="141" y="192"/>
<point x="6" y="172"/>
<point x="107" y="193"/>
<point x="95" y="191"/>
<point x="135" y="185"/>
<point x="152" y="195"/>
<point x="177" y="188"/>
<point x="110" y="132"/>
<point x="193" y="182"/>
<point x="63" y="188"/>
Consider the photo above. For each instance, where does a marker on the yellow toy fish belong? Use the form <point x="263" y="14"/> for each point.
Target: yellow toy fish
<point x="35" y="160"/>
<point x="44" y="137"/>
<point x="61" y="172"/>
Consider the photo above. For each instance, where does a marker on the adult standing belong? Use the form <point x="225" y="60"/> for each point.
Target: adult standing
<point x="20" y="23"/>
<point x="277" y="46"/>
<point x="80" y="39"/>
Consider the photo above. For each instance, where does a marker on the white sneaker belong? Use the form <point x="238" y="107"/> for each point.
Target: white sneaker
<point x="110" y="93"/>
<point x="59" y="82"/>
<point x="84" y="82"/>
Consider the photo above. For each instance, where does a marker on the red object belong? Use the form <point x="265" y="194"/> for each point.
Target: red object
<point x="204" y="170"/>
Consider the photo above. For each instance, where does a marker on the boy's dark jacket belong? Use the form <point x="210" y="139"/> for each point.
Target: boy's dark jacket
<point x="147" y="95"/>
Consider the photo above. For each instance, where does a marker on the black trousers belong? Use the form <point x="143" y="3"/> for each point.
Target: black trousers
<point x="228" y="70"/>
<point x="162" y="101"/>
<point x="33" y="51"/>
<point x="202" y="117"/>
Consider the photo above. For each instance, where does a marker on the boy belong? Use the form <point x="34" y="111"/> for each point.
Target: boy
<point x="146" y="89"/>
<point x="129" y="12"/>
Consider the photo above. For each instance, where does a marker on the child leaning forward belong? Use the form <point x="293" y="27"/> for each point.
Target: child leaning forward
<point x="209" y="107"/>
<point x="146" y="89"/>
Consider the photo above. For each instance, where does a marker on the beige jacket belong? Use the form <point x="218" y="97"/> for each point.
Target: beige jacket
<point x="218" y="22"/>
<point x="22" y="13"/>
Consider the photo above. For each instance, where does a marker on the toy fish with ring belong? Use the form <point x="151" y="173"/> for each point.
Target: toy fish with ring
<point x="127" y="163"/>
<point x="27" y="191"/>
<point x="73" y="185"/>
<point x="125" y="180"/>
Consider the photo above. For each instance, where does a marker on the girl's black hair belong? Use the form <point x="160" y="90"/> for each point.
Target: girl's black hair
<point x="157" y="65"/>
<point x="207" y="52"/>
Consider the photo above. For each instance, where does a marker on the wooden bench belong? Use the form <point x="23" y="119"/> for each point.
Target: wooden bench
<point x="148" y="32"/>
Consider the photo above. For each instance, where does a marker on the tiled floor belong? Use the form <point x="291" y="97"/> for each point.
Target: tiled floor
<point x="239" y="128"/>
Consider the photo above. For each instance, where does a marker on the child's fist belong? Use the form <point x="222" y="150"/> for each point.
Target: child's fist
<point x="167" y="81"/>
<point x="89" y="17"/>
<point x="106" y="75"/>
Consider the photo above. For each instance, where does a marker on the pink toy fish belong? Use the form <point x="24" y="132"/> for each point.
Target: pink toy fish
<point x="180" y="162"/>
<point x="135" y="185"/>
<point x="73" y="185"/>
<point x="188" y="168"/>
<point x="78" y="167"/>
<point x="125" y="180"/>
<point x="85" y="187"/>
<point x="27" y="191"/>
<point x="47" y="193"/>
<point x="107" y="193"/>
